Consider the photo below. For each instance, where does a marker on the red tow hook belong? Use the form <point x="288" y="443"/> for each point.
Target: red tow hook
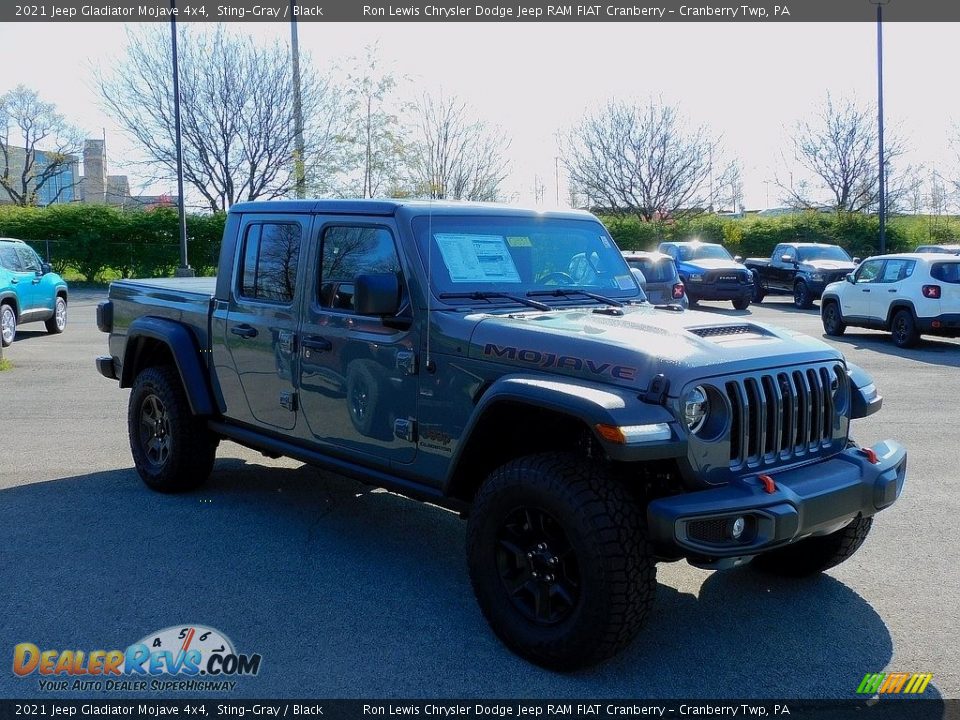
<point x="768" y="484"/>
<point x="870" y="454"/>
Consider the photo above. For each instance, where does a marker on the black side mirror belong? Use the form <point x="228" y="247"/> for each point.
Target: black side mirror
<point x="786" y="259"/>
<point x="850" y="279"/>
<point x="857" y="261"/>
<point x="376" y="294"/>
<point x="45" y="268"/>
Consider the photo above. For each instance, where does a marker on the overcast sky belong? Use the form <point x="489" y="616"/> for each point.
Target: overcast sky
<point x="748" y="82"/>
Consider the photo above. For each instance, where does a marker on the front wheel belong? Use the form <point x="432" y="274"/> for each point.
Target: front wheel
<point x="172" y="448"/>
<point x="801" y="296"/>
<point x="815" y="554"/>
<point x="8" y="324"/>
<point x="833" y="324"/>
<point x="57" y="323"/>
<point x="559" y="560"/>
<point x="741" y="304"/>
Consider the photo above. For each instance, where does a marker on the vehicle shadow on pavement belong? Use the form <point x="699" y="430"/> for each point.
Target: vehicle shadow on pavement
<point x="351" y="592"/>
<point x="930" y="350"/>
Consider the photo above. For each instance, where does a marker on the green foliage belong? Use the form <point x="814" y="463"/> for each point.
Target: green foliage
<point x="756" y="236"/>
<point x="95" y="241"/>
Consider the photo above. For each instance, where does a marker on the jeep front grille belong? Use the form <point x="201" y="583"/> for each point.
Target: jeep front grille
<point x="780" y="416"/>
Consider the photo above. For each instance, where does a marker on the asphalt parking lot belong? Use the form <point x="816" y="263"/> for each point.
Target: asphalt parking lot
<point x="348" y="592"/>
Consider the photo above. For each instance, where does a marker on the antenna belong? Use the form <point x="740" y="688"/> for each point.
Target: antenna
<point x="429" y="362"/>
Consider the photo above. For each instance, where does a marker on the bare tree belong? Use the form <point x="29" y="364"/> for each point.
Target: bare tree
<point x="375" y="132"/>
<point x="837" y="150"/>
<point x="454" y="157"/>
<point x="237" y="104"/>
<point x="38" y="148"/>
<point x="643" y="160"/>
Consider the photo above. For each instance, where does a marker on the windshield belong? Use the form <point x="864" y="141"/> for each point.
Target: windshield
<point x="704" y="252"/>
<point x="518" y="255"/>
<point x="826" y="252"/>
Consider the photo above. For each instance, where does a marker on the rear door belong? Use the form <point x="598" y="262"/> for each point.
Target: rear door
<point x="358" y="375"/>
<point x="261" y="324"/>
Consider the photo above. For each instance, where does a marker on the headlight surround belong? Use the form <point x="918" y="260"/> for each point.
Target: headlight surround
<point x="696" y="408"/>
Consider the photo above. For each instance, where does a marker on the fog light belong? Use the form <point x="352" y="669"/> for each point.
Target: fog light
<point x="738" y="526"/>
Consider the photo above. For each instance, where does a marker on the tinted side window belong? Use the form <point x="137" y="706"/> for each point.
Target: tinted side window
<point x="28" y="259"/>
<point x="9" y="258"/>
<point x="269" y="267"/>
<point x="348" y="252"/>
<point x="946" y="272"/>
<point x="869" y="271"/>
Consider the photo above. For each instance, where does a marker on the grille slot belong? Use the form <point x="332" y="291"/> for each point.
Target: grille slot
<point x="776" y="417"/>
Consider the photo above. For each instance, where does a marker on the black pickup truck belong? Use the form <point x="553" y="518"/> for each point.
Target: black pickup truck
<point x="802" y="270"/>
<point x="503" y="363"/>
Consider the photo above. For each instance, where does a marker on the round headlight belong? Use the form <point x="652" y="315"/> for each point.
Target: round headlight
<point x="696" y="407"/>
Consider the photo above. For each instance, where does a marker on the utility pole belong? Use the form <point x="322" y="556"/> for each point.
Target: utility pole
<point x="299" y="174"/>
<point x="184" y="270"/>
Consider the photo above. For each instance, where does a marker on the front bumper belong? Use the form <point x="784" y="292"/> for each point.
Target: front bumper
<point x="709" y="291"/>
<point x="812" y="500"/>
<point x="107" y="368"/>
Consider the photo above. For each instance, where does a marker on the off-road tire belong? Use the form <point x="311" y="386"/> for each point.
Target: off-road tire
<point x="605" y="530"/>
<point x="192" y="447"/>
<point x="903" y="329"/>
<point x="832" y="319"/>
<point x="815" y="554"/>
<point x="741" y="304"/>
<point x="801" y="296"/>
<point x="58" y="321"/>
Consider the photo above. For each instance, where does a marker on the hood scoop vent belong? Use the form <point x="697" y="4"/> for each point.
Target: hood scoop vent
<point x="726" y="330"/>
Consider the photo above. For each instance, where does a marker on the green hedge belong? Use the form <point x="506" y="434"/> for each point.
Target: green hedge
<point x="756" y="236"/>
<point x="93" y="239"/>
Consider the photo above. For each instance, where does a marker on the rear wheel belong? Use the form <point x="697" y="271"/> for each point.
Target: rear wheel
<point x="833" y="324"/>
<point x="903" y="329"/>
<point x="58" y="322"/>
<point x="8" y="324"/>
<point x="172" y="448"/>
<point x="559" y="560"/>
<point x="815" y="554"/>
<point x="801" y="295"/>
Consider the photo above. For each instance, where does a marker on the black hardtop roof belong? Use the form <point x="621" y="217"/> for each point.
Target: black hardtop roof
<point x="391" y="207"/>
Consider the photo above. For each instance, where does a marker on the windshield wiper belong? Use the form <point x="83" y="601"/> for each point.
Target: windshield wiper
<point x="488" y="295"/>
<point x="563" y="292"/>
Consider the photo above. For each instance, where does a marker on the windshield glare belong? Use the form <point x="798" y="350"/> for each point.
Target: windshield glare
<point x="704" y="252"/>
<point x="828" y="252"/>
<point x="518" y="255"/>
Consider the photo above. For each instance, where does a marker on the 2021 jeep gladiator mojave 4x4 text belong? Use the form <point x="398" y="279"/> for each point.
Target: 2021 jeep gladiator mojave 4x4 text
<point x="503" y="363"/>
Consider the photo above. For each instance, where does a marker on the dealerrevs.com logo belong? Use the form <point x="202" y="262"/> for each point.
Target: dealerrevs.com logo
<point x="198" y="657"/>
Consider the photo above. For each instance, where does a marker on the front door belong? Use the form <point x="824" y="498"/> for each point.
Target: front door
<point x="888" y="287"/>
<point x="856" y="299"/>
<point x="28" y="283"/>
<point x="358" y="375"/>
<point x="259" y="332"/>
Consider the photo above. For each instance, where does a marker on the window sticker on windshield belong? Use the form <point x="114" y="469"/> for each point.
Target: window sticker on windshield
<point x="519" y="241"/>
<point x="606" y="243"/>
<point x="625" y="282"/>
<point x="477" y="258"/>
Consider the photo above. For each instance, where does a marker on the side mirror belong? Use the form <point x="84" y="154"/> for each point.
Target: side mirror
<point x="45" y="268"/>
<point x="376" y="294"/>
<point x="786" y="259"/>
<point x="738" y="258"/>
<point x="850" y="279"/>
<point x="857" y="261"/>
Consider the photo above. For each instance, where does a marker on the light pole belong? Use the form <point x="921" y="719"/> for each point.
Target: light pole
<point x="184" y="270"/>
<point x="300" y="180"/>
<point x="882" y="170"/>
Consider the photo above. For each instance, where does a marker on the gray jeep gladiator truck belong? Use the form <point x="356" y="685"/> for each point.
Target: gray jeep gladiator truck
<point x="504" y="364"/>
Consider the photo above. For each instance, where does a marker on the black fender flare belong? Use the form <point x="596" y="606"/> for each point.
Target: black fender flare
<point x="864" y="396"/>
<point x="10" y="295"/>
<point x="590" y="403"/>
<point x="186" y="357"/>
<point x="898" y="304"/>
<point x="827" y="298"/>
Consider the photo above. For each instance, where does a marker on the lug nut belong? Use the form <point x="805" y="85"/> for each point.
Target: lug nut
<point x="552" y="561"/>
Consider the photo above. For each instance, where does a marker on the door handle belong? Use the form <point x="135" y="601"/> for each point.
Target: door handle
<point x="14" y="280"/>
<point x="316" y="343"/>
<point x="866" y="290"/>
<point x="244" y="331"/>
<point x="36" y="281"/>
<point x="892" y="290"/>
